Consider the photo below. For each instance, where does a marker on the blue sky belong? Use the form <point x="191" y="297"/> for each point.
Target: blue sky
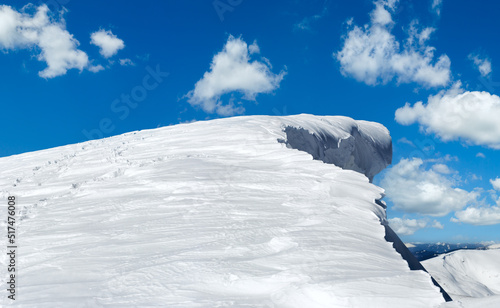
<point x="129" y="66"/>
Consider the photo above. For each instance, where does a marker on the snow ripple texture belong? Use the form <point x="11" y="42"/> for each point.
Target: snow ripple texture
<point x="210" y="214"/>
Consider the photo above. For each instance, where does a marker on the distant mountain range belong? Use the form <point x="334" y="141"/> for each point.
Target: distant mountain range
<point x="424" y="251"/>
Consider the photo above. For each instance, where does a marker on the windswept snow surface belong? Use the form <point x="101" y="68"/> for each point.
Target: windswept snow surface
<point x="471" y="277"/>
<point x="208" y="214"/>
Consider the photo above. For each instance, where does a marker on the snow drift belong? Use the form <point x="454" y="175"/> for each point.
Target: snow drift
<point x="211" y="214"/>
<point x="355" y="145"/>
<point x="472" y="277"/>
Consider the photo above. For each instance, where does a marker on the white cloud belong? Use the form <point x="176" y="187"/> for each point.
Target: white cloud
<point x="446" y="158"/>
<point x="229" y="109"/>
<point x="495" y="183"/>
<point x="126" y="62"/>
<point x="405" y="140"/>
<point x="436" y="6"/>
<point x="232" y="70"/>
<point x="96" y="68"/>
<point x="457" y="114"/>
<point x="108" y="43"/>
<point x="442" y="168"/>
<point x="413" y="189"/>
<point x="372" y="54"/>
<point x="254" y="48"/>
<point x="436" y="224"/>
<point x="41" y="31"/>
<point x="480" y="155"/>
<point x="479" y="215"/>
<point x="406" y="226"/>
<point x="380" y="15"/>
<point x="482" y="65"/>
<point x="403" y="226"/>
<point x="475" y="177"/>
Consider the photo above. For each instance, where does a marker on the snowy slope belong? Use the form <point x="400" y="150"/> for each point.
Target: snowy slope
<point x="471" y="277"/>
<point x="210" y="214"/>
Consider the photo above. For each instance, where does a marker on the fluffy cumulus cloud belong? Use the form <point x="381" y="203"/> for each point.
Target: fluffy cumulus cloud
<point x="482" y="214"/>
<point x="436" y="224"/>
<point x="483" y="65"/>
<point x="95" y="68"/>
<point x="471" y="116"/>
<point x="406" y="226"/>
<point x="495" y="183"/>
<point x="233" y="71"/>
<point x="413" y="189"/>
<point x="45" y="34"/>
<point x="372" y="54"/>
<point x="108" y="43"/>
<point x="442" y="168"/>
<point x="254" y="48"/>
<point x="403" y="226"/>
<point x="488" y="215"/>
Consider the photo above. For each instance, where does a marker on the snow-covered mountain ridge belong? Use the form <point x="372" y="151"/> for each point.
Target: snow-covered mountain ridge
<point x="211" y="214"/>
<point x="472" y="277"/>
